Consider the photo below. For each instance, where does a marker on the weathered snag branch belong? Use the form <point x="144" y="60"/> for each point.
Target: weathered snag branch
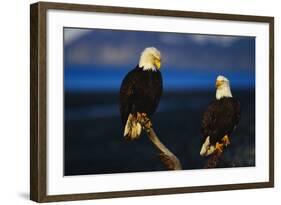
<point x="166" y="156"/>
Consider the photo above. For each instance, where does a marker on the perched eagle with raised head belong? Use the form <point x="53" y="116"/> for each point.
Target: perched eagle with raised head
<point x="220" y="119"/>
<point x="140" y="92"/>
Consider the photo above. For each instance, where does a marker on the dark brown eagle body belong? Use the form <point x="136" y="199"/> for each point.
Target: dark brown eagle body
<point x="220" y="118"/>
<point x="140" y="91"/>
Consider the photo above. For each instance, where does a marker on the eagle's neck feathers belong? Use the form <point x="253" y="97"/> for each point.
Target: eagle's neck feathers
<point x="223" y="91"/>
<point x="146" y="66"/>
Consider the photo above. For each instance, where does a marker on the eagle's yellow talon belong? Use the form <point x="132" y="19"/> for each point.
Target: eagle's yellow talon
<point x="219" y="147"/>
<point x="225" y="140"/>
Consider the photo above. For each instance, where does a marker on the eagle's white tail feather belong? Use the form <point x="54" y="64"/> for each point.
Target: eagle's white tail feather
<point x="132" y="128"/>
<point x="207" y="148"/>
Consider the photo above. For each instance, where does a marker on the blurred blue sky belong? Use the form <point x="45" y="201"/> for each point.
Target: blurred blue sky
<point x="96" y="59"/>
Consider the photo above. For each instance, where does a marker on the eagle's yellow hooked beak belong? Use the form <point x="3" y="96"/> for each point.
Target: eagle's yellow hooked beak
<point x="157" y="62"/>
<point x="219" y="83"/>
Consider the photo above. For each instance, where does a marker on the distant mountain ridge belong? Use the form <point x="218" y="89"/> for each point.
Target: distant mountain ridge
<point x="198" y="52"/>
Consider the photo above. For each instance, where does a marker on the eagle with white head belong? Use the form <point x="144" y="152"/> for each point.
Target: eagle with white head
<point x="140" y="92"/>
<point x="220" y="119"/>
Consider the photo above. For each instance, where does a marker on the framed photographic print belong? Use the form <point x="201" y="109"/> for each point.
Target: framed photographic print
<point x="133" y="102"/>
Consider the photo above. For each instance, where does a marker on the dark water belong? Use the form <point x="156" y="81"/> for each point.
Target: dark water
<point x="94" y="142"/>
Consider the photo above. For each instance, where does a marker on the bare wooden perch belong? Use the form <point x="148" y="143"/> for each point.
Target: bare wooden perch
<point x="166" y="156"/>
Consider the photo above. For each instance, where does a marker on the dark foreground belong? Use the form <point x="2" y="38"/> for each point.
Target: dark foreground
<point x="94" y="143"/>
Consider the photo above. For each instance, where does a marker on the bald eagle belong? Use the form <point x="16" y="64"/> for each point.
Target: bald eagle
<point x="220" y="119"/>
<point x="140" y="92"/>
